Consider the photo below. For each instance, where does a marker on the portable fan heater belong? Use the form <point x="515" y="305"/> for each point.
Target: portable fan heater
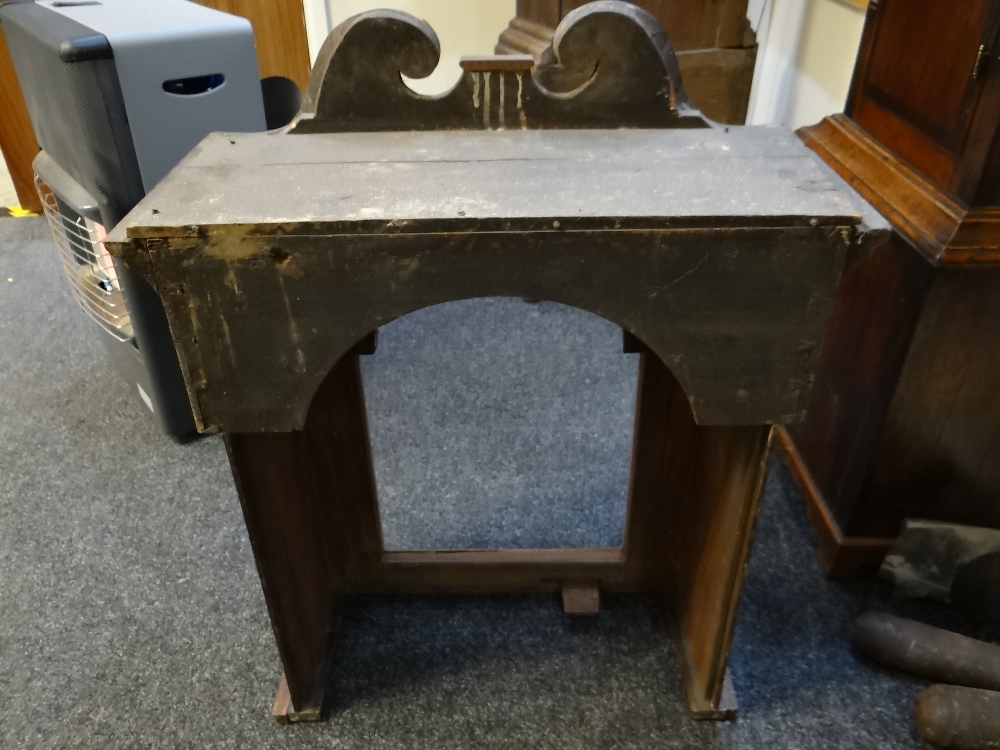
<point x="118" y="91"/>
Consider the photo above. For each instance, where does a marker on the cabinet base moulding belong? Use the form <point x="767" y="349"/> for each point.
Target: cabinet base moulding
<point x="840" y="557"/>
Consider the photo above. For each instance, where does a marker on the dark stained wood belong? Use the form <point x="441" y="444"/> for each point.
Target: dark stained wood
<point x="504" y="571"/>
<point x="694" y="495"/>
<point x="309" y="503"/>
<point x="694" y="25"/>
<point x="609" y="65"/>
<point x="281" y="507"/>
<point x="839" y="557"/>
<point x="921" y="212"/>
<point x="902" y="421"/>
<point x="523" y="36"/>
<point x="545" y="12"/>
<point x="716" y="50"/>
<point x="877" y="307"/>
<point x="717" y="252"/>
<point x="17" y="137"/>
<point x="711" y="535"/>
<point x="939" y="454"/>
<point x="772" y="276"/>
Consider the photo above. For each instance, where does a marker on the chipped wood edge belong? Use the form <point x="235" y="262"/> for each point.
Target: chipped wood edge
<point x="581" y="599"/>
<point x="284" y="712"/>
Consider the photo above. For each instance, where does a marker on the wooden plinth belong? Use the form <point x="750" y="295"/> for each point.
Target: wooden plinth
<point x="310" y="507"/>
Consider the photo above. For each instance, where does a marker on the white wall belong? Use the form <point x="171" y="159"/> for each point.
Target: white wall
<point x="807" y="53"/>
<point x="464" y="27"/>
<point x="7" y="195"/>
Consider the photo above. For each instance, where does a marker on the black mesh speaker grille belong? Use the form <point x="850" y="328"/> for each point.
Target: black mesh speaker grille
<point x="76" y="107"/>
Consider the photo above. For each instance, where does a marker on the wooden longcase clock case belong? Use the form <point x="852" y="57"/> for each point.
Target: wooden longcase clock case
<point x="905" y="414"/>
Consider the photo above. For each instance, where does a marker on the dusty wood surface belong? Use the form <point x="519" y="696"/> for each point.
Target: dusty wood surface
<point x="750" y="176"/>
<point x="639" y="227"/>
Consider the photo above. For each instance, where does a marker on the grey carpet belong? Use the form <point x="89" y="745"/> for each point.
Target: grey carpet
<point x="131" y="615"/>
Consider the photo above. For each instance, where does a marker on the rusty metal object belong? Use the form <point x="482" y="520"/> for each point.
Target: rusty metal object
<point x="927" y="651"/>
<point x="959" y="717"/>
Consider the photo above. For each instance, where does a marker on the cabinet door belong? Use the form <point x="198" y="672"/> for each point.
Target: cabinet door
<point x="916" y="87"/>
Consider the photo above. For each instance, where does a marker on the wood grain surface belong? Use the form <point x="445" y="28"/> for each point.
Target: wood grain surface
<point x="279" y="32"/>
<point x="17" y="137"/>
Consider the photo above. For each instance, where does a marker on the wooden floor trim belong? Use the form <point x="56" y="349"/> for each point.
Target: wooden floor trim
<point x="840" y="557"/>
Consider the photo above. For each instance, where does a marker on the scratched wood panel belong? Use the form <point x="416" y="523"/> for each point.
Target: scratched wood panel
<point x="660" y="176"/>
<point x="745" y="361"/>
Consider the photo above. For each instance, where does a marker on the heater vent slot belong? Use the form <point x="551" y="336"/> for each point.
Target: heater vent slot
<point x="89" y="267"/>
<point x="194" y="85"/>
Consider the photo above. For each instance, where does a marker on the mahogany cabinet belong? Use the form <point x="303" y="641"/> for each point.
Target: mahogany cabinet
<point x="716" y="50"/>
<point x="904" y="419"/>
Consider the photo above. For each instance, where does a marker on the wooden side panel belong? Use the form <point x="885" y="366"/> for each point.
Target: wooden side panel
<point x="336" y="432"/>
<point x="279" y="30"/>
<point x="493" y="571"/>
<point x="287" y="525"/>
<point x="921" y="63"/>
<point x="693" y="500"/>
<point x="711" y="537"/>
<point x="877" y="306"/>
<point x="17" y="137"/>
<point x="660" y="477"/>
<point x="309" y="503"/>
<point x="940" y="453"/>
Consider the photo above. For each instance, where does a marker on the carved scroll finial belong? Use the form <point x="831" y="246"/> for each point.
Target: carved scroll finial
<point x="610" y="65"/>
<point x="614" y="44"/>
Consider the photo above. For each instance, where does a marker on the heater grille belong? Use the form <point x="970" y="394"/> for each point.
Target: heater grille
<point x="89" y="268"/>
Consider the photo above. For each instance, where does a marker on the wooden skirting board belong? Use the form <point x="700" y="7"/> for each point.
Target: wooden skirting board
<point x="840" y="557"/>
